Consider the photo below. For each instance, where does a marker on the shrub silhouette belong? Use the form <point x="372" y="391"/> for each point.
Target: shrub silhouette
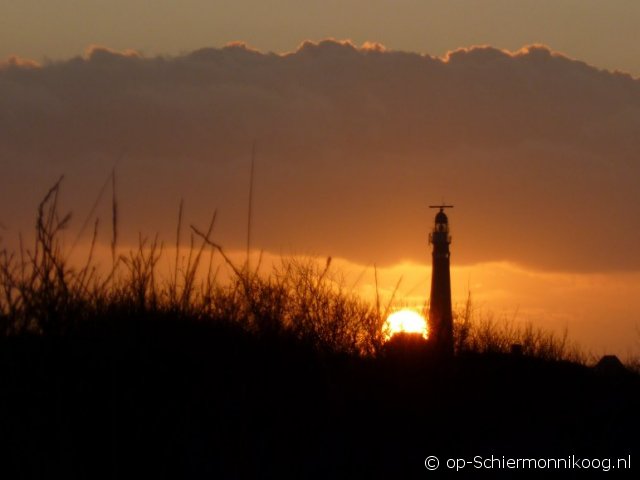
<point x="482" y="333"/>
<point x="253" y="376"/>
<point x="43" y="294"/>
<point x="299" y="299"/>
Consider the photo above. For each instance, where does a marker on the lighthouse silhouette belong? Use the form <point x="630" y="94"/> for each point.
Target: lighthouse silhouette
<point x="440" y="316"/>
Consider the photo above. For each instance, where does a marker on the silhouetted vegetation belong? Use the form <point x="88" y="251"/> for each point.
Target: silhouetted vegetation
<point x="481" y="332"/>
<point x="44" y="294"/>
<point x="260" y="375"/>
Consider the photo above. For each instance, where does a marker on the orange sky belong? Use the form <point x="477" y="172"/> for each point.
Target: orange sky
<point x="536" y="146"/>
<point x="598" y="311"/>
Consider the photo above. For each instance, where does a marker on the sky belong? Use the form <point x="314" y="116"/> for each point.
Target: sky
<point x="598" y="32"/>
<point x="525" y="115"/>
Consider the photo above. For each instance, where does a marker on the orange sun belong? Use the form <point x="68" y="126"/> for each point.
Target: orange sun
<point x="405" y="321"/>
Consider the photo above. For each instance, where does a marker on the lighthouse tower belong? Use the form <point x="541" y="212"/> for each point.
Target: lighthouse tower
<point x="440" y="316"/>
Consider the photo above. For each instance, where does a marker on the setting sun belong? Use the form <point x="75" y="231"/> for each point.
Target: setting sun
<point x="405" y="321"/>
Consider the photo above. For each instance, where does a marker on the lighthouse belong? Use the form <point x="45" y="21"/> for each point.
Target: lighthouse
<point x="440" y="316"/>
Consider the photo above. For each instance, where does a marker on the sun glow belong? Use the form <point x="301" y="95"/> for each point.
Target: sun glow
<point x="405" y="321"/>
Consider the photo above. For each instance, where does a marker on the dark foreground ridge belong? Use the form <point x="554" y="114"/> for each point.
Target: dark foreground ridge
<point x="163" y="397"/>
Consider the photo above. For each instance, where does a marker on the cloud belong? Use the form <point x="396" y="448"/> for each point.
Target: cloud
<point x="15" y="61"/>
<point x="537" y="151"/>
<point x="99" y="53"/>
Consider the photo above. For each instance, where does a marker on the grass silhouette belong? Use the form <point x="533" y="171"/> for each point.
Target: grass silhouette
<point x="44" y="294"/>
<point x="256" y="376"/>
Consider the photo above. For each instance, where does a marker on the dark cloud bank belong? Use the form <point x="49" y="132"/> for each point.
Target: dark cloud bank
<point x="540" y="153"/>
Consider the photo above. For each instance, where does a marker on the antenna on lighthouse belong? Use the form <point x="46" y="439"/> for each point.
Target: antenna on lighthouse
<point x="441" y="207"/>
